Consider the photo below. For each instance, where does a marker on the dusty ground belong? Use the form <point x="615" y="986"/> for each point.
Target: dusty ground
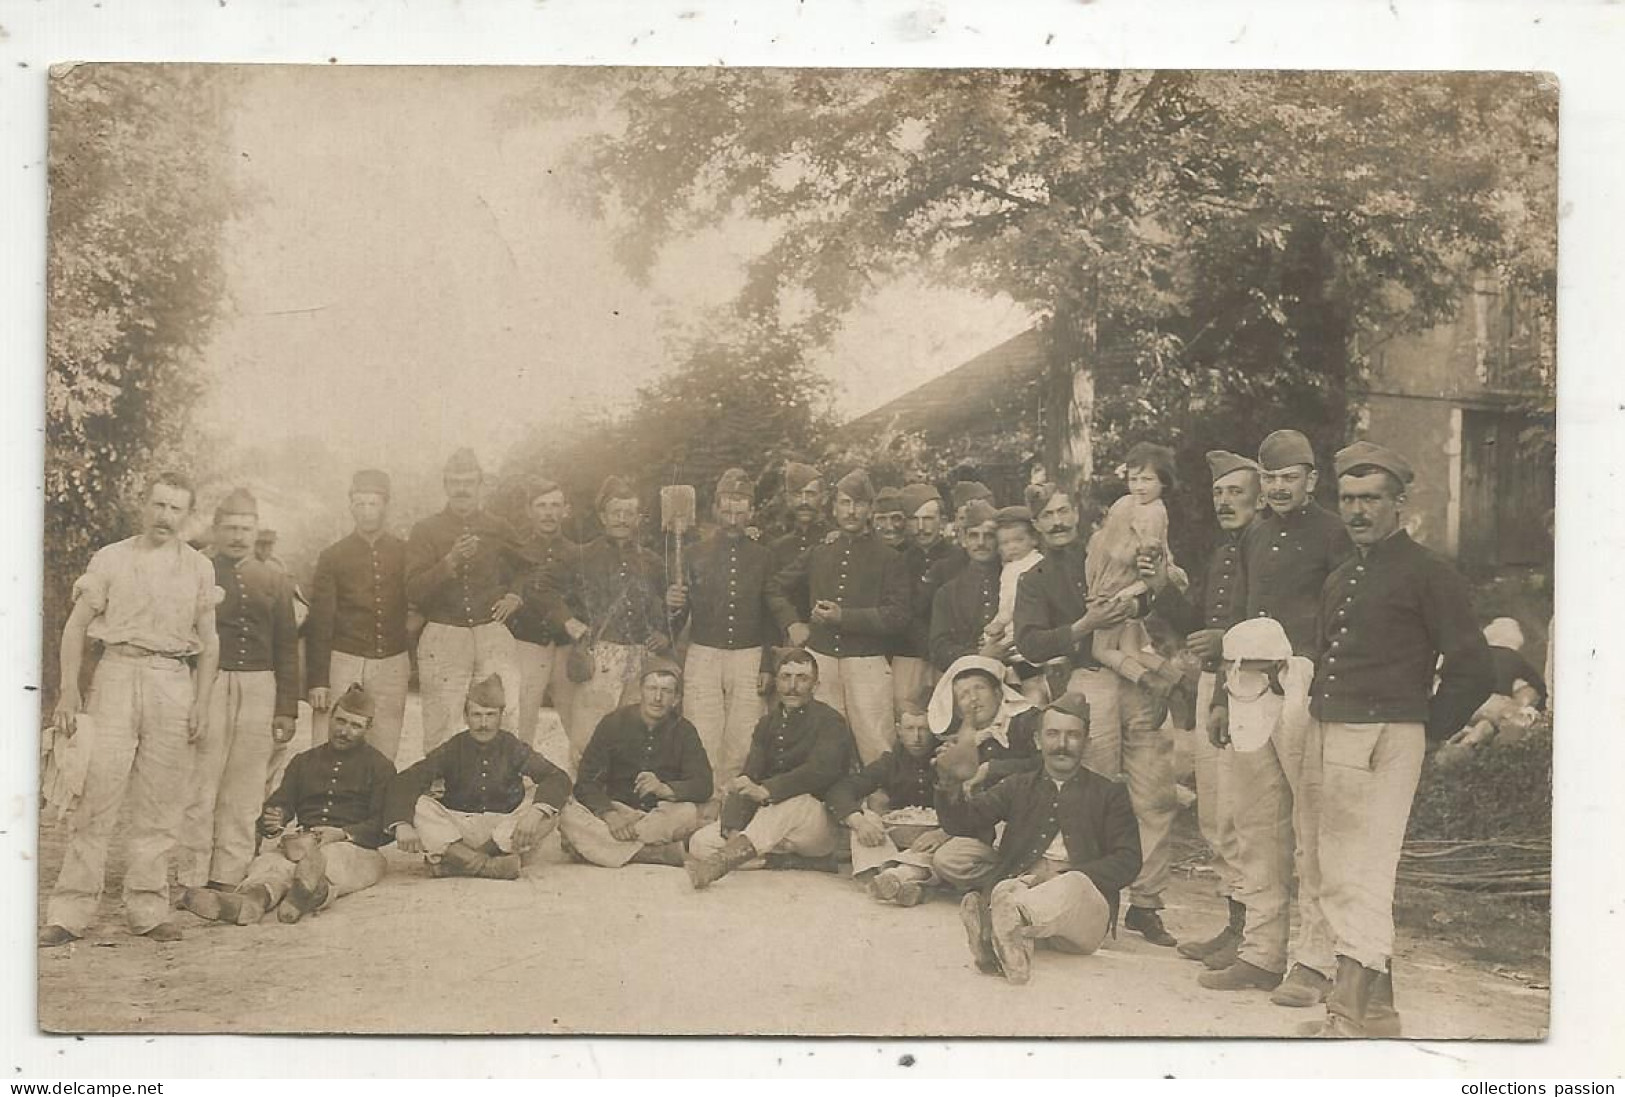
<point x="575" y="949"/>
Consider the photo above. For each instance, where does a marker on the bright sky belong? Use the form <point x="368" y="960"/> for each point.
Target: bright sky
<point x="409" y="277"/>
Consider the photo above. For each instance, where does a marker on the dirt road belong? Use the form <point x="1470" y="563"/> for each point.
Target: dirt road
<point x="575" y="949"/>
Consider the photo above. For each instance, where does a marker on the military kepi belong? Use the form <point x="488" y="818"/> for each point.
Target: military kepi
<point x="1369" y="453"/>
<point x="889" y="501"/>
<point x="855" y="485"/>
<point x="370" y="480"/>
<point x="798" y="476"/>
<point x="1221" y="463"/>
<point x="979" y="512"/>
<point x="358" y="702"/>
<point x="735" y="482"/>
<point x="489" y="693"/>
<point x="1285" y="448"/>
<point x="463" y="461"/>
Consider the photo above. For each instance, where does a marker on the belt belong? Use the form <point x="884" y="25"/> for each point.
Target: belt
<point x="135" y="654"/>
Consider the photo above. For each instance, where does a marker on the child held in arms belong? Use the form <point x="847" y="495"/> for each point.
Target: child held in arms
<point x="1136" y="525"/>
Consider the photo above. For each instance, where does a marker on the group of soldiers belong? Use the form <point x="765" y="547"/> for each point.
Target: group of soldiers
<point x="917" y="687"/>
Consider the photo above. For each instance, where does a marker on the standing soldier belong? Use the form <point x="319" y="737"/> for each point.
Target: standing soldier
<point x="149" y="600"/>
<point x="357" y="633"/>
<point x="731" y="630"/>
<point x="965" y="604"/>
<point x="1054" y="620"/>
<point x="611" y="601"/>
<point x="805" y="493"/>
<point x="1393" y="618"/>
<point x="542" y="644"/>
<point x="1223" y="603"/>
<point x="255" y="699"/>
<point x="911" y="670"/>
<point x="463" y="573"/>
<point x="859" y="593"/>
<point x="1286" y="556"/>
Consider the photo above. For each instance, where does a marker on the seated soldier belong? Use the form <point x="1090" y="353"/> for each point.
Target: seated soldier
<point x="799" y="749"/>
<point x="488" y="819"/>
<point x="893" y="795"/>
<point x="322" y="826"/>
<point x="991" y="732"/>
<point x="1070" y="844"/>
<point x="641" y="780"/>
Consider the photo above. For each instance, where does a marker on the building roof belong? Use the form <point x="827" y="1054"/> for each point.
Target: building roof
<point x="947" y="402"/>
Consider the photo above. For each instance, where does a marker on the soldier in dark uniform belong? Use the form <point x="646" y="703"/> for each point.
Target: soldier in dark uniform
<point x="541" y="644"/>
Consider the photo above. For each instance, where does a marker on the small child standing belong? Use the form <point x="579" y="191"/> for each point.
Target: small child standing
<point x="1019" y="552"/>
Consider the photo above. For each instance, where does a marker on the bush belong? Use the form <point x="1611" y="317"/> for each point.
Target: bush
<point x="1500" y="791"/>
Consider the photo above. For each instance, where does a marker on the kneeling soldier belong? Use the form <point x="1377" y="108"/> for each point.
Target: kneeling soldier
<point x="642" y="780"/>
<point x="326" y="815"/>
<point x="488" y="819"/>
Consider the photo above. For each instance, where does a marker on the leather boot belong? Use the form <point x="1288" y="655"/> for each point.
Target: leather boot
<point x="460" y="859"/>
<point x="659" y="853"/>
<point x="977" y="919"/>
<point x="1229" y="935"/>
<point x="1148" y="924"/>
<point x="1011" y="945"/>
<point x="1240" y="976"/>
<point x="1223" y="956"/>
<point x="1346" y="1005"/>
<point x="1381" y="1018"/>
<point x="703" y="872"/>
<point x="232" y="907"/>
<point x="1304" y="987"/>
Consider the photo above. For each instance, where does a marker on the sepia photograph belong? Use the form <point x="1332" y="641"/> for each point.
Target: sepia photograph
<point x="730" y="551"/>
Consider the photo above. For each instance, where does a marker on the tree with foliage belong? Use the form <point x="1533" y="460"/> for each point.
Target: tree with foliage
<point x="1195" y="246"/>
<point x="742" y="395"/>
<point x="139" y="180"/>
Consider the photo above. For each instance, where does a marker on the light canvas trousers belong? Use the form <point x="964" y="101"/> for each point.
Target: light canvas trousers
<point x="720" y="699"/>
<point x="964" y="864"/>
<point x="1066" y="912"/>
<point x="138" y="709"/>
<point x="1275" y="790"/>
<point x="799" y="825"/>
<point x="386" y="680"/>
<point x="911" y="680"/>
<point x="541" y="669"/>
<point x="350" y="868"/>
<point x="1369" y="779"/>
<point x="228" y="779"/>
<point x="450" y="660"/>
<point x="860" y="689"/>
<point x="667" y="821"/>
<point x="614" y="683"/>
<point x="438" y="826"/>
<point x="1125" y="744"/>
<point x="1214" y="794"/>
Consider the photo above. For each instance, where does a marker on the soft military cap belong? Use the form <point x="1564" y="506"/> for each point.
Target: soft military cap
<point x="1257" y="638"/>
<point x="798" y="476"/>
<point x="1221" y="463"/>
<point x="462" y="461"/>
<point x="370" y="480"/>
<point x="489" y="693"/>
<point x="1075" y="705"/>
<point x="613" y="487"/>
<point x="239" y="501"/>
<point x="1013" y="516"/>
<point x="539" y="487"/>
<point x="358" y="702"/>
<point x="264" y="536"/>
<point x="1283" y="449"/>
<point x="1369" y="453"/>
<point x="855" y="485"/>
<point x="735" y="482"/>
<point x="656" y="664"/>
<point x="979" y="512"/>
<point x="916" y="496"/>
<point x="889" y="501"/>
<point x="966" y="490"/>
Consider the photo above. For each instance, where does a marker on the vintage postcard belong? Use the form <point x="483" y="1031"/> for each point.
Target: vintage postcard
<point x="798" y="552"/>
